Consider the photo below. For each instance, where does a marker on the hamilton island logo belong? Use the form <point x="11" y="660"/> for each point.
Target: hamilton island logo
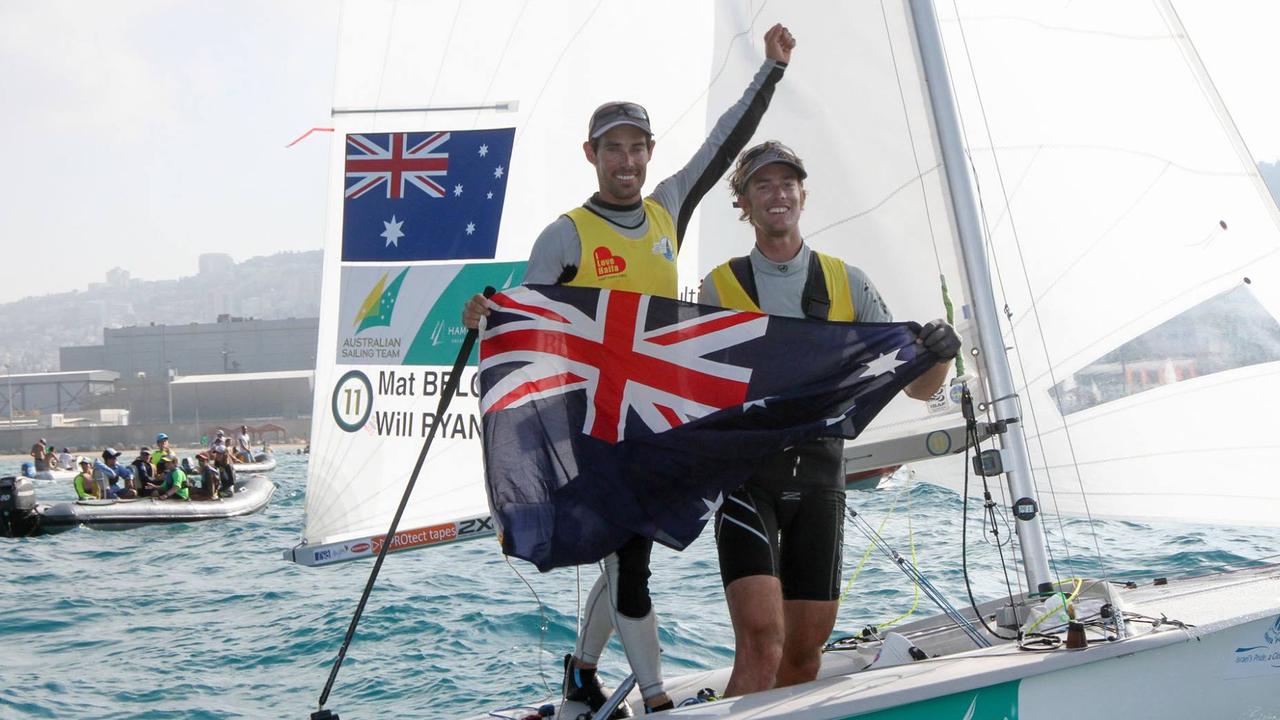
<point x="1272" y="636"/>
<point x="377" y="308"/>
<point x="663" y="247"/>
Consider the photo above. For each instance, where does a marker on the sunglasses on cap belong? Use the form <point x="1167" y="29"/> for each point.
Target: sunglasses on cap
<point x="613" y="114"/>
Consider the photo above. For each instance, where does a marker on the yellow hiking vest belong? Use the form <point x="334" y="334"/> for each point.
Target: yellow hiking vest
<point x="611" y="261"/>
<point x="734" y="296"/>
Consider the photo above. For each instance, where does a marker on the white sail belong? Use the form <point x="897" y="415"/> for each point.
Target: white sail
<point x="1135" y="246"/>
<point x="472" y="66"/>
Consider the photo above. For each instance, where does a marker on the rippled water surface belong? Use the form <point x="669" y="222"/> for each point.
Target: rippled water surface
<point x="207" y="621"/>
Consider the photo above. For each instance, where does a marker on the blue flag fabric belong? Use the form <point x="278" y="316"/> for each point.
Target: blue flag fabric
<point x="609" y="413"/>
<point x="424" y="195"/>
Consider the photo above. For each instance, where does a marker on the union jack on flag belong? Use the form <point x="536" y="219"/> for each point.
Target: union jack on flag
<point x="396" y="163"/>
<point x="656" y="376"/>
<point x="608" y="414"/>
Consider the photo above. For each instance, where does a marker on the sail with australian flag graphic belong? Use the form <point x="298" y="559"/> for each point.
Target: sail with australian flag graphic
<point x="610" y="413"/>
<point x="424" y="195"/>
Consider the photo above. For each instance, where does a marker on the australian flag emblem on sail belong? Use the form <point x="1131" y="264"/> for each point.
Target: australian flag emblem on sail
<point x="424" y="195"/>
<point x="609" y="413"/>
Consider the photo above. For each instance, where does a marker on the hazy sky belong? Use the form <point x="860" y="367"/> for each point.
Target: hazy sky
<point x="141" y="133"/>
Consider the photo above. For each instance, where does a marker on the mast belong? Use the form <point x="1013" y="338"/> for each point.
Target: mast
<point x="1014" y="456"/>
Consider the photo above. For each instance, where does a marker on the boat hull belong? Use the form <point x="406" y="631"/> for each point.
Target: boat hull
<point x="263" y="462"/>
<point x="1224" y="663"/>
<point x="252" y="495"/>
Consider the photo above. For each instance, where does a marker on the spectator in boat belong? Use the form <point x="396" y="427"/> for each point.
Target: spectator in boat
<point x="172" y="481"/>
<point x="143" y="474"/>
<point x="38" y="455"/>
<point x="646" y="232"/>
<point x="66" y="460"/>
<point x="122" y="486"/>
<point x="162" y="451"/>
<point x="243" y="450"/>
<point x="51" y="459"/>
<point x="219" y="438"/>
<point x="86" y="488"/>
<point x="106" y="475"/>
<point x="209" y="478"/>
<point x="779" y="535"/>
<point x="226" y="472"/>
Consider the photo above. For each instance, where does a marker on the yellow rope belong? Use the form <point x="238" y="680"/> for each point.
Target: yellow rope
<point x="910" y="534"/>
<point x="870" y="546"/>
<point x="915" y="586"/>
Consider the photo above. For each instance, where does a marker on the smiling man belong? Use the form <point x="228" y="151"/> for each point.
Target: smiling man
<point x="779" y="536"/>
<point x="620" y="240"/>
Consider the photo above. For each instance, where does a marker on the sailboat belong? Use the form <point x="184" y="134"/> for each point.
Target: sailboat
<point x="1064" y="177"/>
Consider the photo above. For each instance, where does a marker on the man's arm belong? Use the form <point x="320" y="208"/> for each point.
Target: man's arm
<point x="681" y="193"/>
<point x="556" y="249"/>
<point x="941" y="339"/>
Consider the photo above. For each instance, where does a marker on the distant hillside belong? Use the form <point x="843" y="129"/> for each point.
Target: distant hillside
<point x="1271" y="176"/>
<point x="271" y="287"/>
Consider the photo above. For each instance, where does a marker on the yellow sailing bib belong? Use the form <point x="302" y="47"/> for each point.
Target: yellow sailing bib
<point x="734" y="296"/>
<point x="609" y="260"/>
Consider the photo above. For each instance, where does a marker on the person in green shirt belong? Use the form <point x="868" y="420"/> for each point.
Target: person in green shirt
<point x="173" y="482"/>
<point x="163" y="450"/>
<point x="86" y="488"/>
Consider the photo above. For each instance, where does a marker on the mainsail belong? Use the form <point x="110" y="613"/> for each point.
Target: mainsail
<point x="1133" y="262"/>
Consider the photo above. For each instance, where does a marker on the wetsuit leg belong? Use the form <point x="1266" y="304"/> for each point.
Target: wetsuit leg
<point x="811" y="523"/>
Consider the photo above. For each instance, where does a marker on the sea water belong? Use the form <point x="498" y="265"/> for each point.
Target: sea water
<point x="205" y="620"/>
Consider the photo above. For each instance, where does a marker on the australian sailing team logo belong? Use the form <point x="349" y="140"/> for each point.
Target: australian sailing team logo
<point x="378" y="306"/>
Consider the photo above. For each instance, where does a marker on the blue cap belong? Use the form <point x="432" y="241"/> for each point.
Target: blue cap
<point x="161" y="436"/>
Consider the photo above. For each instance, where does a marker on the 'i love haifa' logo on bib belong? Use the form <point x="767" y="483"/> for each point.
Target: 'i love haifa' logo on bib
<point x="607" y="263"/>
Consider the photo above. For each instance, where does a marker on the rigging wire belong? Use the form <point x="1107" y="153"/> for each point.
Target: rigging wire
<point x="914" y="574"/>
<point x="972" y="429"/>
<point x="1035" y="311"/>
<point x="543" y="624"/>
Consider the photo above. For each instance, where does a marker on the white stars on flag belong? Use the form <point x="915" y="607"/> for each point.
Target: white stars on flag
<point x="488" y="195"/>
<point x="471" y="228"/>
<point x="497" y="173"/>
<point x="484" y="150"/>
<point x="457" y="191"/>
<point x="884" y="364"/>
<point x="712" y="506"/>
<point x="392" y="233"/>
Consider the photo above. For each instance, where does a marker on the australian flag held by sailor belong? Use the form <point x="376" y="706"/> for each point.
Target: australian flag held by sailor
<point x="424" y="195"/>
<point x="609" y="413"/>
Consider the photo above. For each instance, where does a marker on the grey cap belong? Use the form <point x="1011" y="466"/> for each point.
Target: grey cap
<point x="612" y="114"/>
<point x="110" y="453"/>
<point x="766" y="153"/>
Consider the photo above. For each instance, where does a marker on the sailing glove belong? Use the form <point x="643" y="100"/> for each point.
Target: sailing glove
<point x="940" y="339"/>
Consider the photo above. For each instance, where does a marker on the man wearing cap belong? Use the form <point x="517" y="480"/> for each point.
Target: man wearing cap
<point x="621" y="240"/>
<point x="173" y="482"/>
<point x="83" y="482"/>
<point x="209" y="479"/>
<point x="106" y="475"/>
<point x="143" y="472"/>
<point x="779" y="536"/>
<point x="226" y="471"/>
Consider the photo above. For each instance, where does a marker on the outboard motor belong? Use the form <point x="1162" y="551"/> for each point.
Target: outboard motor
<point x="18" y="517"/>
